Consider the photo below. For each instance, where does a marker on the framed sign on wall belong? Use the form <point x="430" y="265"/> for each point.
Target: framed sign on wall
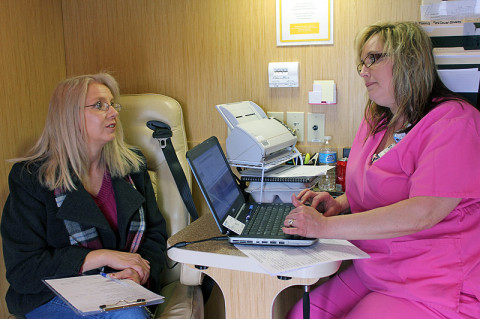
<point x="304" y="22"/>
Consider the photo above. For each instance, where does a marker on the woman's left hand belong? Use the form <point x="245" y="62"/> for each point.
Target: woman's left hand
<point x="305" y="221"/>
<point x="129" y="273"/>
<point x="118" y="260"/>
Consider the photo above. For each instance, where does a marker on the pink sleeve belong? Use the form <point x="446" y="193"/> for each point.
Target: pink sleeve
<point x="448" y="162"/>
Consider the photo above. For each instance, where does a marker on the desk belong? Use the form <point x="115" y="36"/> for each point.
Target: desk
<point x="249" y="291"/>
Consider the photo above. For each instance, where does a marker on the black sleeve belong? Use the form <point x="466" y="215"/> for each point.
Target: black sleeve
<point x="35" y="246"/>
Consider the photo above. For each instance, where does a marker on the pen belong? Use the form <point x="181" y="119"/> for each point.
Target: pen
<point x="114" y="279"/>
<point x="250" y="209"/>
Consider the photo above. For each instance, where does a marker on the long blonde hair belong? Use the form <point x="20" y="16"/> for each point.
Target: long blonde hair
<point x="417" y="85"/>
<point x="61" y="150"/>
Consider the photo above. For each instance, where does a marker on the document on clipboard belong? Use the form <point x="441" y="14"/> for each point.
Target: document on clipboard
<point x="92" y="294"/>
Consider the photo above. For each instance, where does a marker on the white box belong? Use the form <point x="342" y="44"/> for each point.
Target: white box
<point x="324" y="92"/>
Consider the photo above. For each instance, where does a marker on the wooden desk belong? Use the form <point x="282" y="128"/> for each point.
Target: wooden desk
<point x="248" y="290"/>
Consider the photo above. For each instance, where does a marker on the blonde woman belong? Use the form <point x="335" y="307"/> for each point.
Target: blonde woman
<point x="80" y="201"/>
<point x="413" y="188"/>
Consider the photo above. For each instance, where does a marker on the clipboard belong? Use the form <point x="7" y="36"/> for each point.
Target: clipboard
<point x="93" y="294"/>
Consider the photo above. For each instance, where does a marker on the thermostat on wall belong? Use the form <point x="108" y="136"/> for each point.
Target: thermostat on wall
<point x="283" y="74"/>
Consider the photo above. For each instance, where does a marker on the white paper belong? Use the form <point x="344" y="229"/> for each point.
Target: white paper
<point x="289" y="171"/>
<point x="451" y="10"/>
<point x="456" y="56"/>
<point x="461" y="80"/>
<point x="303" y="170"/>
<point x="87" y="293"/>
<point x="280" y="260"/>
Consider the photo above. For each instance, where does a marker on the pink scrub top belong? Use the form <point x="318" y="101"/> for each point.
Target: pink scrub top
<point x="439" y="157"/>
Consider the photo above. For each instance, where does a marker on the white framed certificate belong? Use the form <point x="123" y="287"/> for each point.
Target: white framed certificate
<point x="304" y="22"/>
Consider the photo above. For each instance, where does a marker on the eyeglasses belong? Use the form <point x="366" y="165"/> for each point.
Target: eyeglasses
<point x="370" y="60"/>
<point x="104" y="106"/>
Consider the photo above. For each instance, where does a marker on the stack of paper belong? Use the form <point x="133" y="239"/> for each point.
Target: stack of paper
<point x="281" y="260"/>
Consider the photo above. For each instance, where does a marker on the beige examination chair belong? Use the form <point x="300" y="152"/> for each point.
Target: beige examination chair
<point x="183" y="296"/>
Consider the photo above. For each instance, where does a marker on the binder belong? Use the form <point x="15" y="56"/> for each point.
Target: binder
<point x="92" y="294"/>
<point x="284" y="174"/>
<point x="299" y="179"/>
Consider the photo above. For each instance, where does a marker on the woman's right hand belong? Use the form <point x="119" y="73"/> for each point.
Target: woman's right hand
<point x="321" y="201"/>
<point x="118" y="260"/>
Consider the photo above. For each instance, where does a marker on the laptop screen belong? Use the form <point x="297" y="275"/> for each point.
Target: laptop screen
<point x="213" y="173"/>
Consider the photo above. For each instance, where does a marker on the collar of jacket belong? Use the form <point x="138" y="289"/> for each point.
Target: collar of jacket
<point x="80" y="207"/>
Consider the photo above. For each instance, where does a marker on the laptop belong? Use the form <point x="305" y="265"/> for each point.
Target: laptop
<point x="233" y="215"/>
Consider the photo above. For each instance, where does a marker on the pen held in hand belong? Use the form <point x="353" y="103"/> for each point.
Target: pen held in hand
<point x="121" y="282"/>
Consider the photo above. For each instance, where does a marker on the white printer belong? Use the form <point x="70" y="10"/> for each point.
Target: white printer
<point x="253" y="137"/>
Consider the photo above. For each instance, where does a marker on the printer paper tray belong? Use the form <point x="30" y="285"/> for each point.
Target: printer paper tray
<point x="270" y="162"/>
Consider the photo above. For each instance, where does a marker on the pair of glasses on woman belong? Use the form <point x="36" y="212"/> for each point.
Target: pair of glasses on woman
<point x="104" y="106"/>
<point x="370" y="60"/>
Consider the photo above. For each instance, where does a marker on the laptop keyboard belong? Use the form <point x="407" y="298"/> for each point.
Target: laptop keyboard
<point x="267" y="220"/>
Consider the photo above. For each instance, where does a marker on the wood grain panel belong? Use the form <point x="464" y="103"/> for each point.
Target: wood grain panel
<point x="205" y="53"/>
<point x="32" y="60"/>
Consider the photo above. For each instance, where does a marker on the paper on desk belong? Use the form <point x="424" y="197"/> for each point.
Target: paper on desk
<point x="279" y="260"/>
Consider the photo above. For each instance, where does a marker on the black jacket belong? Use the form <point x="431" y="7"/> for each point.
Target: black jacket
<point x="36" y="243"/>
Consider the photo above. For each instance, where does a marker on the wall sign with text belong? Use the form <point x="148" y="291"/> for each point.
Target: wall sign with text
<point x="304" y="22"/>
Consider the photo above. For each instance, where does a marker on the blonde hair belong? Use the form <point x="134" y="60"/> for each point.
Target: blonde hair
<point x="61" y="150"/>
<point x="415" y="79"/>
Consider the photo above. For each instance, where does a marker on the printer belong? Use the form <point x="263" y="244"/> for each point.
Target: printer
<point x="253" y="137"/>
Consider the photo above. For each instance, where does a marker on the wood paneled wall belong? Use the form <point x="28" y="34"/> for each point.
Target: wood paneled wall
<point x="32" y="61"/>
<point x="205" y="53"/>
<point x="200" y="52"/>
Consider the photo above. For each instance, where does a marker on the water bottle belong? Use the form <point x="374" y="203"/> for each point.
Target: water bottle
<point x="327" y="156"/>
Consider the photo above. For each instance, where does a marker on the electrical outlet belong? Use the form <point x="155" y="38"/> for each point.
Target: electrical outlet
<point x="296" y="121"/>
<point x="277" y="115"/>
<point x="316" y="127"/>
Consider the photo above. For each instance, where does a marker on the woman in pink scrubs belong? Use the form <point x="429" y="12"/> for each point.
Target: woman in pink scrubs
<point x="413" y="187"/>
